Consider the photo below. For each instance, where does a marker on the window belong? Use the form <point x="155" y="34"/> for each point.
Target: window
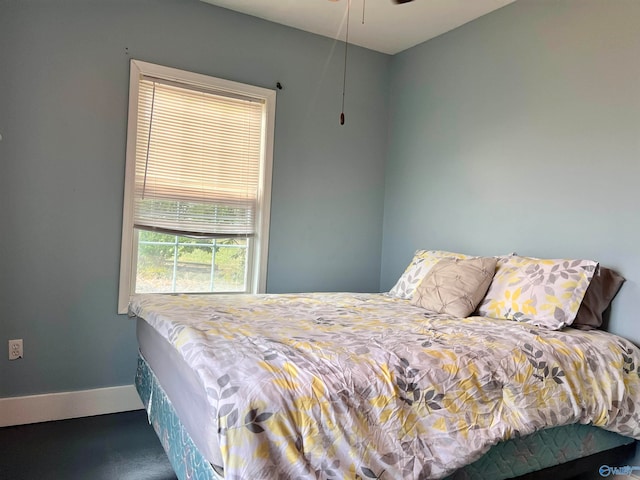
<point x="197" y="184"/>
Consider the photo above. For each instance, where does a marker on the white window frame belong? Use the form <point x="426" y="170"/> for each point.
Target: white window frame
<point x="258" y="245"/>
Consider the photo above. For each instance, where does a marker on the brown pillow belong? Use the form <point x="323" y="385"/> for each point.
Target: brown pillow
<point x="455" y="286"/>
<point x="603" y="288"/>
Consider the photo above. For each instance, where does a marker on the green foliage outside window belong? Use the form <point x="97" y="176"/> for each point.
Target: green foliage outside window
<point x="167" y="263"/>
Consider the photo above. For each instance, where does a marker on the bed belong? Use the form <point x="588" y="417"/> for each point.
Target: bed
<point x="354" y="385"/>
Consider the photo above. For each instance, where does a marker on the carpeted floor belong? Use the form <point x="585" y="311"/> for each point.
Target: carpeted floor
<point x="121" y="446"/>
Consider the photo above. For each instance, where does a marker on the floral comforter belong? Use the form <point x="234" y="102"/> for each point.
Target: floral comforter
<point x="368" y="386"/>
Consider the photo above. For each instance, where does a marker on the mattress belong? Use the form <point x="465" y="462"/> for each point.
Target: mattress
<point x="182" y="385"/>
<point x="186" y="459"/>
<point x="345" y="382"/>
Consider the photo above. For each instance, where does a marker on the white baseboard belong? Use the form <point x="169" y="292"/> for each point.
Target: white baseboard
<point x="61" y="406"/>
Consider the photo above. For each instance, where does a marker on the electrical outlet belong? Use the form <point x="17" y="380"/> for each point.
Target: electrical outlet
<point x="15" y="349"/>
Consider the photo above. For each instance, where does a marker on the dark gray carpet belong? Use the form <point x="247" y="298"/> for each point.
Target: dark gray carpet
<point x="121" y="446"/>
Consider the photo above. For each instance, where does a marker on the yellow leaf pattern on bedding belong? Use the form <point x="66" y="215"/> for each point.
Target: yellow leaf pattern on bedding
<point x="369" y="385"/>
<point x="440" y="424"/>
<point x="513" y="296"/>
<point x="528" y="307"/>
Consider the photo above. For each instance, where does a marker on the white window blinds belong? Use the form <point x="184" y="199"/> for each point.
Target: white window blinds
<point x="198" y="160"/>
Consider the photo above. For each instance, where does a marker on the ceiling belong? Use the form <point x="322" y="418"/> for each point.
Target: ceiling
<point x="388" y="27"/>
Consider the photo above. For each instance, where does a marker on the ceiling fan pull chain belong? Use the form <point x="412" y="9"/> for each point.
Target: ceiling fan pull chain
<point x="344" y="78"/>
<point x="364" y="2"/>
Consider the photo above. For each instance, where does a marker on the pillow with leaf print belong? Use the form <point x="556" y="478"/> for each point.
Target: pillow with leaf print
<point x="422" y="262"/>
<point x="543" y="292"/>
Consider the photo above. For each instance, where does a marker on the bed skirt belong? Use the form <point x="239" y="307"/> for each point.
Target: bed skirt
<point x="543" y="449"/>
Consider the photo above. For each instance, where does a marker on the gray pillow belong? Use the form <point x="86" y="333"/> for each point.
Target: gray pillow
<point x="603" y="288"/>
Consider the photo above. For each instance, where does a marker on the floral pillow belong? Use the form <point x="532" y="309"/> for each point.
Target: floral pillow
<point x="543" y="292"/>
<point x="423" y="261"/>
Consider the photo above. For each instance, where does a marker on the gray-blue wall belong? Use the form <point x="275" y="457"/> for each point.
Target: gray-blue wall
<point x="520" y="131"/>
<point x="516" y="132"/>
<point x="64" y="72"/>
